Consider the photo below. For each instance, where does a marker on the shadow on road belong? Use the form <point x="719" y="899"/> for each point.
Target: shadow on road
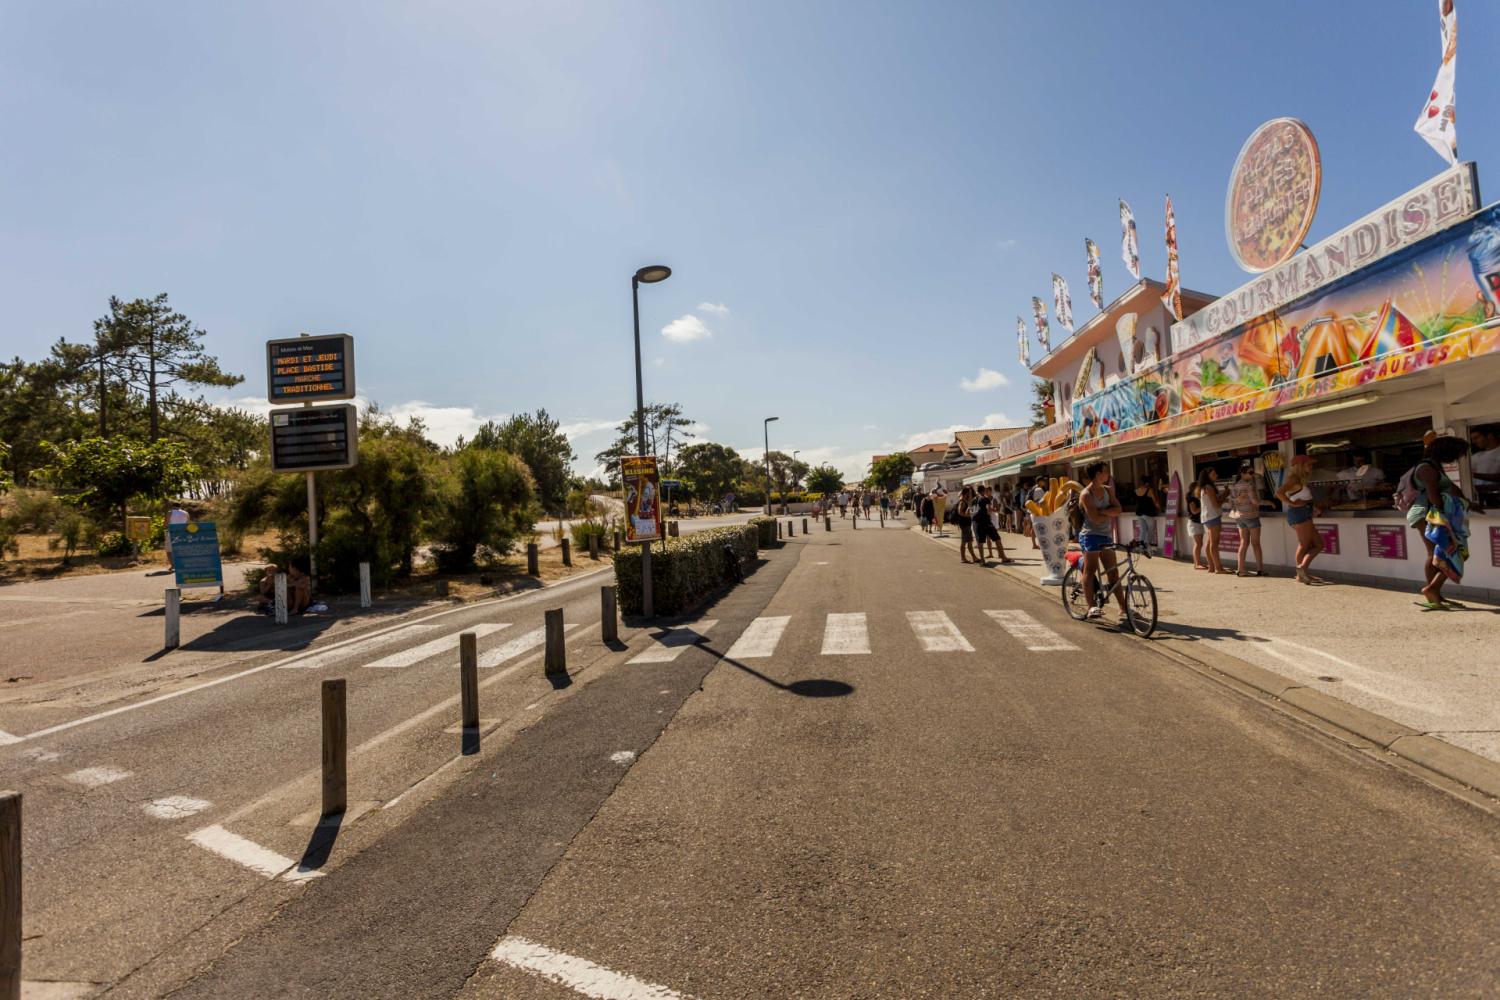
<point x="1197" y="633"/>
<point x="320" y="844"/>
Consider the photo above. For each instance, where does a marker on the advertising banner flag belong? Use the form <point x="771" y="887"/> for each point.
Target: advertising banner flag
<point x="1130" y="247"/>
<point x="1436" y="123"/>
<point x="1023" y="342"/>
<point x="1096" y="273"/>
<point x="642" y="484"/>
<point x="1039" y="313"/>
<point x="1172" y="297"/>
<point x="1062" y="302"/>
<point x="1129" y="345"/>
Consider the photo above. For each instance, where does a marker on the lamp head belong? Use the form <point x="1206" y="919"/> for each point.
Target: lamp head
<point x="769" y="419"/>
<point x="652" y="273"/>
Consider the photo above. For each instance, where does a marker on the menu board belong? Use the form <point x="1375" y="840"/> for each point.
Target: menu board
<point x="310" y="369"/>
<point x="1495" y="546"/>
<point x="642" y="498"/>
<point x="1174" y="496"/>
<point x="1229" y="538"/>
<point x="1280" y="431"/>
<point x="309" y="438"/>
<point x="1169" y="539"/>
<point x="1386" y="541"/>
<point x="1330" y="533"/>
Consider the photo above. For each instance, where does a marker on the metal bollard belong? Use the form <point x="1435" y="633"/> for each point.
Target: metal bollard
<point x="594" y="546"/>
<point x="335" y="748"/>
<point x="609" y="618"/>
<point x="468" y="678"/>
<point x="567" y="551"/>
<point x="10" y="895"/>
<point x="364" y="585"/>
<point x="174" y="619"/>
<point x="280" y="598"/>
<point x="557" y="650"/>
<point x="531" y="566"/>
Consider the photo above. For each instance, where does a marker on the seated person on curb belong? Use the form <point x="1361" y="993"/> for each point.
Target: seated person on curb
<point x="298" y="589"/>
<point x="1094" y="538"/>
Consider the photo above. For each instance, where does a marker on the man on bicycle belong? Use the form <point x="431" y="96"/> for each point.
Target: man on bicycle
<point x="1099" y="504"/>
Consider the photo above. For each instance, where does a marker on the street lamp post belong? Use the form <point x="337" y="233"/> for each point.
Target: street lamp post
<point x="794" y="460"/>
<point x="767" y="457"/>
<point x="648" y="275"/>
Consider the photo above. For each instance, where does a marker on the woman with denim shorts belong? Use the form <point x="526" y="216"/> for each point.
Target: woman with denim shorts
<point x="1298" y="497"/>
<point x="1094" y="538"/>
<point x="1244" y="497"/>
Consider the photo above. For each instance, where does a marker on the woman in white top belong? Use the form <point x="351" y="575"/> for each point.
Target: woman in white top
<point x="1211" y="496"/>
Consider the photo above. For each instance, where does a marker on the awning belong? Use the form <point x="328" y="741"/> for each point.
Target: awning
<point x="1004" y="470"/>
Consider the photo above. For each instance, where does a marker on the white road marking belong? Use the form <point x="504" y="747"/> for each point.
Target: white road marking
<point x="250" y="854"/>
<point x="846" y="633"/>
<point x="760" y="639"/>
<point x="622" y="757"/>
<point x="520" y="644"/>
<point x="93" y="777"/>
<point x="175" y="807"/>
<point x="435" y="647"/>
<point x="937" y="633"/>
<point x="6" y="738"/>
<point x="39" y="755"/>
<point x="669" y="645"/>
<point x="578" y="974"/>
<point x="359" y="648"/>
<point x="1032" y="634"/>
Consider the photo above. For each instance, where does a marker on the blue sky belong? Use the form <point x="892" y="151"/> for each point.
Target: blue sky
<point x="856" y="198"/>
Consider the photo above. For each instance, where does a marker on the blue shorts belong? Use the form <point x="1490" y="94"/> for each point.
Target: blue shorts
<point x="1094" y="543"/>
<point x="1249" y="522"/>
<point x="1299" y="515"/>
<point x="1212" y="522"/>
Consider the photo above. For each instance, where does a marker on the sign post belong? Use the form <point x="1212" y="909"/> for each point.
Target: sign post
<point x="301" y="370"/>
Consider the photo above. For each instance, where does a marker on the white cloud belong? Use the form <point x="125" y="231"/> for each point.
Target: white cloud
<point x="698" y="428"/>
<point x="987" y="378"/>
<point x="999" y="420"/>
<point x="445" y="424"/>
<point x="1008" y="244"/>
<point x="658" y="362"/>
<point x="685" y="329"/>
<point x="716" y="308"/>
<point x="583" y="428"/>
<point x="870" y="427"/>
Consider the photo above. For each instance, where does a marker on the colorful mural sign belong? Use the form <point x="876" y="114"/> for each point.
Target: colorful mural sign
<point x="1433" y="304"/>
<point x="1386" y="541"/>
<point x="1273" y="194"/>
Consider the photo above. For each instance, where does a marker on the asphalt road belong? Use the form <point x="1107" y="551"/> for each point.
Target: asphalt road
<point x="880" y="773"/>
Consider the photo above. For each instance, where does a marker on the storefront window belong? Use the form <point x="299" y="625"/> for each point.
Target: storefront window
<point x="1358" y="469"/>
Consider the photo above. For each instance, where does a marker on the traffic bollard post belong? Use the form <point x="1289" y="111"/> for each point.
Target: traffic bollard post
<point x="531" y="560"/>
<point x="280" y="588"/>
<point x="804" y="525"/>
<point x="10" y="895"/>
<point x="557" y="650"/>
<point x="609" y="618"/>
<point x="617" y="539"/>
<point x="468" y="678"/>
<point x="593" y="546"/>
<point x="567" y="551"/>
<point x="364" y="585"/>
<point x="827" y="522"/>
<point x="335" y="748"/>
<point x="174" y="619"/>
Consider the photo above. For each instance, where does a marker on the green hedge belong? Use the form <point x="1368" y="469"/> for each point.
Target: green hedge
<point x="683" y="570"/>
<point x="766" y="526"/>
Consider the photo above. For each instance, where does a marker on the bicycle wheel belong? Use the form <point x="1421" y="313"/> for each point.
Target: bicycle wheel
<point x="1140" y="602"/>
<point x="1072" y="594"/>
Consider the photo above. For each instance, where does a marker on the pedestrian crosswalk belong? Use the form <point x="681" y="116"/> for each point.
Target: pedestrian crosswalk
<point x="668" y="644"/>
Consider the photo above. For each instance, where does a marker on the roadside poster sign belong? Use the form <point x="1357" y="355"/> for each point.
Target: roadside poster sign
<point x="137" y="527"/>
<point x="1174" y="497"/>
<point x="310" y="438"/>
<point x="195" y="554"/>
<point x="310" y="369"/>
<point x="642" y="498"/>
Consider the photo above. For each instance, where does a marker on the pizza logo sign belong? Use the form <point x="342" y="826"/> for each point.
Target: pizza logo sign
<point x="1273" y="194"/>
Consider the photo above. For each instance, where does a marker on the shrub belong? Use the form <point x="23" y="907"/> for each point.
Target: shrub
<point x="114" y="543"/>
<point x="487" y="500"/>
<point x="766" y="527"/>
<point x="35" y="511"/>
<point x="72" y="528"/>
<point x="683" y="570"/>
<point x="582" y="531"/>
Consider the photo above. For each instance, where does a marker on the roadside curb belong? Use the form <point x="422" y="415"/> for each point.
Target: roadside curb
<point x="1465" y="767"/>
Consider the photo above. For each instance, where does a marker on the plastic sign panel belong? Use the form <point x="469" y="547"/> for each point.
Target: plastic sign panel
<point x="1273" y="194"/>
<point x="642" y="498"/>
<point x="195" y="554"/>
<point x="312" y="438"/>
<point x="310" y="369"/>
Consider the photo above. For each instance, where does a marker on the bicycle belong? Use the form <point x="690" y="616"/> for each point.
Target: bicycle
<point x="1140" y="596"/>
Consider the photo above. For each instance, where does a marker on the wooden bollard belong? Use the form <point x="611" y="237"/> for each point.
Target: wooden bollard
<point x="609" y="618"/>
<point x="672" y="529"/>
<point x="174" y="619"/>
<point x="594" y="546"/>
<point x="791" y="529"/>
<point x="557" y="649"/>
<point x="335" y="748"/>
<point x="468" y="678"/>
<point x="778" y="530"/>
<point x="280" y="598"/>
<point x="618" y="533"/>
<point x="442" y="588"/>
<point x="10" y="895"/>
<point x="364" y="585"/>
<point x="804" y="525"/>
<point x="827" y="522"/>
<point x="567" y="551"/>
<point x="531" y="561"/>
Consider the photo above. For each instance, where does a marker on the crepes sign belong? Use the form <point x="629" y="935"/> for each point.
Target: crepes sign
<point x="1273" y="194"/>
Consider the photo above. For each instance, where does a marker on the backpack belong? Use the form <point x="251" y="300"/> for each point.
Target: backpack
<point x="1408" y="489"/>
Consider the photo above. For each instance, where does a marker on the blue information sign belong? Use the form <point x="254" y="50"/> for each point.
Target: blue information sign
<point x="671" y="484"/>
<point x="195" y="554"/>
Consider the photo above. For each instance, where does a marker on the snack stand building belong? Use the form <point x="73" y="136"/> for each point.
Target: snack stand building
<point x="1348" y="352"/>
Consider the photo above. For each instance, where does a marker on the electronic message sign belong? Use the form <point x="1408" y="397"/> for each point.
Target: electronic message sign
<point x="310" y="369"/>
<point x="310" y="438"/>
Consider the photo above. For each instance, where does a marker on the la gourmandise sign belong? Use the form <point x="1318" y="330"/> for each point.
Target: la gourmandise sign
<point x="309" y="369"/>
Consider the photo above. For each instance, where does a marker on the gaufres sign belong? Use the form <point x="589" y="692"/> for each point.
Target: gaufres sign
<point x="1448" y="198"/>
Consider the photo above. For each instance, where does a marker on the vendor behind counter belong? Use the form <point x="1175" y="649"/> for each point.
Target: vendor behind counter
<point x="1358" y="470"/>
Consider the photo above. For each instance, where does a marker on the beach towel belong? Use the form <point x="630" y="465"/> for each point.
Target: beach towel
<point x="1448" y="531"/>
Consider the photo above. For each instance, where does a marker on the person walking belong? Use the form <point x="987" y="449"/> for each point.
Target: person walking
<point x="965" y="526"/>
<point x="1195" y="525"/>
<point x="1211" y="496"/>
<point x="1100" y="504"/>
<point x="1440" y="513"/>
<point x="885" y="504"/>
<point x="939" y="507"/>
<point x="986" y="526"/>
<point x="1298" y="497"/>
<point x="1147" y="510"/>
<point x="174" y="516"/>
<point x="1245" y="503"/>
<point x="928" y="509"/>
